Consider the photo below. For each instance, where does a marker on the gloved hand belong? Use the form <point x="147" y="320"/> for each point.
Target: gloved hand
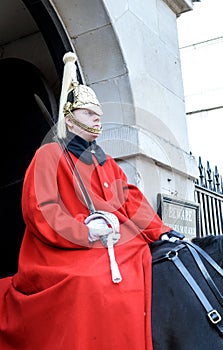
<point x="104" y="226"/>
<point x="98" y="228"/>
<point x="172" y="236"/>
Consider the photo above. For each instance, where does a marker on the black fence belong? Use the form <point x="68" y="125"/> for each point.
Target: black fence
<point x="209" y="196"/>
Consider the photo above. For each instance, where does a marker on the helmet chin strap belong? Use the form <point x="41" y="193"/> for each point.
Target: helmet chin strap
<point x="84" y="126"/>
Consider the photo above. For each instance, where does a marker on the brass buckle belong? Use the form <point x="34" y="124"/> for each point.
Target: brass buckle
<point x="214" y="316"/>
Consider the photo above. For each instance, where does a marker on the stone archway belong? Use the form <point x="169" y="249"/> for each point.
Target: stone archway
<point x="100" y="57"/>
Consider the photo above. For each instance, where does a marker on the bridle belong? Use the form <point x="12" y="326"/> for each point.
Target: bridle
<point x="172" y="255"/>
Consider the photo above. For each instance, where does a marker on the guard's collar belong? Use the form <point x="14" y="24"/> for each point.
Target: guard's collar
<point x="84" y="150"/>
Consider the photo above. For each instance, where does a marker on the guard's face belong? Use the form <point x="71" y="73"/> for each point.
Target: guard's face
<point x="85" y="123"/>
<point x="87" y="117"/>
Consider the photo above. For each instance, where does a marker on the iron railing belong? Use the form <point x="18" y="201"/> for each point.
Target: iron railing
<point x="209" y="195"/>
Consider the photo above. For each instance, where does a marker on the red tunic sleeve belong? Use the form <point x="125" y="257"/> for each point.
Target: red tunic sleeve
<point x="44" y="212"/>
<point x="140" y="212"/>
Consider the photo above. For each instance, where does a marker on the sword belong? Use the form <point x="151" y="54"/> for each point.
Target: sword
<point x="116" y="276"/>
<point x="67" y="156"/>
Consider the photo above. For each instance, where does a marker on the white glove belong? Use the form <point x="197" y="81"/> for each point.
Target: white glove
<point x="165" y="237"/>
<point x="101" y="225"/>
<point x="105" y="226"/>
<point x="97" y="228"/>
<point x="172" y="236"/>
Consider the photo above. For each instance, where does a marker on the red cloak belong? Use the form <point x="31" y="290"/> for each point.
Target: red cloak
<point x="62" y="297"/>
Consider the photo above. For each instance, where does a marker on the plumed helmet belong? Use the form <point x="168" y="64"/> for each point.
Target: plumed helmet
<point x="81" y="96"/>
<point x="74" y="95"/>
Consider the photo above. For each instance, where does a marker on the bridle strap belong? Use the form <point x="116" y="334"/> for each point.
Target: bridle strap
<point x="167" y="256"/>
<point x="206" y="256"/>
<point x="172" y="255"/>
<point x="212" y="314"/>
<point x="205" y="273"/>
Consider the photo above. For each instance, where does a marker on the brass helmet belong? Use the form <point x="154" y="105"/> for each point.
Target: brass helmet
<point x="74" y="95"/>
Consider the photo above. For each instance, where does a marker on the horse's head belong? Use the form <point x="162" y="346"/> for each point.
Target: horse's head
<point x="213" y="245"/>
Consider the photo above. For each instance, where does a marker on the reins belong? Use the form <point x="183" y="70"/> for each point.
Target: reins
<point x="194" y="249"/>
<point x="172" y="255"/>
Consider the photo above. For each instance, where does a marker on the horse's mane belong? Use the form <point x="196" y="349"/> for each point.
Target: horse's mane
<point x="213" y="245"/>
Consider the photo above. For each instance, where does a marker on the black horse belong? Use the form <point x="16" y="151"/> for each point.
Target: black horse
<point x="179" y="319"/>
